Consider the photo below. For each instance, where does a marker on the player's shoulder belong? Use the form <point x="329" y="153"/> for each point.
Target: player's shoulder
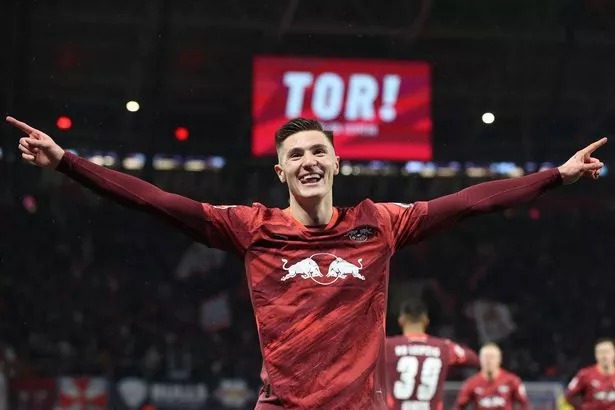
<point x="395" y="340"/>
<point x="366" y="212"/>
<point x="586" y="371"/>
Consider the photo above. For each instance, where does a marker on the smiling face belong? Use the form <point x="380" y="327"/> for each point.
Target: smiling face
<point x="307" y="163"/>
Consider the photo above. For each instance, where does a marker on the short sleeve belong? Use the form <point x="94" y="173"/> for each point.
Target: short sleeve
<point x="403" y="221"/>
<point x="575" y="386"/>
<point x="519" y="389"/>
<point x="231" y="227"/>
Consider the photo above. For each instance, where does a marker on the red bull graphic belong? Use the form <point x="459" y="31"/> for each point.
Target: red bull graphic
<point x="340" y="268"/>
<point x="309" y="268"/>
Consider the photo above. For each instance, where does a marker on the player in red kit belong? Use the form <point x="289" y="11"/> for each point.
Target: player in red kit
<point x="417" y="364"/>
<point x="314" y="271"/>
<point x="493" y="387"/>
<point x="595" y="384"/>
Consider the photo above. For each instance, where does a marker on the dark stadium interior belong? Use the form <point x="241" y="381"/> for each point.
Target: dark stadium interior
<point x="90" y="288"/>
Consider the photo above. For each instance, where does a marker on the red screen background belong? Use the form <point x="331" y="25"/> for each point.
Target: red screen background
<point x="406" y="135"/>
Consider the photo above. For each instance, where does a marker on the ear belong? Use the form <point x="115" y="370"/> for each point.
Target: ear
<point x="337" y="165"/>
<point x="280" y="172"/>
<point x="400" y="320"/>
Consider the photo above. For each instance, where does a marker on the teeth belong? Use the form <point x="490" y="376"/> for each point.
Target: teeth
<point x="310" y="178"/>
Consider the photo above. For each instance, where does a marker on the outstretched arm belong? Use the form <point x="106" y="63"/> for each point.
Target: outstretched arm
<point x="415" y="222"/>
<point x="181" y="212"/>
<point x="507" y="193"/>
<point x="215" y="226"/>
<point x="487" y="197"/>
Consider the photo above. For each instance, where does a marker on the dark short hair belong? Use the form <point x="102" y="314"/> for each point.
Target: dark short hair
<point x="297" y="125"/>
<point x="413" y="309"/>
<point x="604" y="340"/>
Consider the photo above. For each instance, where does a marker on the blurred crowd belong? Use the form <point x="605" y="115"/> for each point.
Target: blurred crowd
<point x="89" y="287"/>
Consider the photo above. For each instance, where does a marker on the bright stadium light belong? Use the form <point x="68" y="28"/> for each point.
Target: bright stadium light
<point x="132" y="106"/>
<point x="488" y="118"/>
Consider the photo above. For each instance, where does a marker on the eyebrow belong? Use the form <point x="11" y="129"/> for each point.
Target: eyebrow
<point x="313" y="147"/>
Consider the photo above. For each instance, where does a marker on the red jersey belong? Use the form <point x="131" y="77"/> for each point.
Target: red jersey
<point x="597" y="390"/>
<point x="319" y="295"/>
<point x="417" y="366"/>
<point x="500" y="393"/>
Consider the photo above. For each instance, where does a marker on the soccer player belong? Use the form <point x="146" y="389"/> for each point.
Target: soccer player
<point x="317" y="274"/>
<point x="493" y="387"/>
<point x="417" y="364"/>
<point x="595" y="384"/>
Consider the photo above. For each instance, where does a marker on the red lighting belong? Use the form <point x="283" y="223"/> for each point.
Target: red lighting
<point x="182" y="133"/>
<point x="64" y="123"/>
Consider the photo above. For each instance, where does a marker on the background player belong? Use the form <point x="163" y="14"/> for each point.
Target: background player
<point x="595" y="384"/>
<point x="493" y="387"/>
<point x="417" y="364"/>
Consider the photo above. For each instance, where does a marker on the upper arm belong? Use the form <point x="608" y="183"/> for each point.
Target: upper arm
<point x="575" y="387"/>
<point x="403" y="221"/>
<point x="520" y="392"/>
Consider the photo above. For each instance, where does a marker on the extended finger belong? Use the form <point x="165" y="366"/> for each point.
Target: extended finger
<point x="594" y="146"/>
<point x="21" y="125"/>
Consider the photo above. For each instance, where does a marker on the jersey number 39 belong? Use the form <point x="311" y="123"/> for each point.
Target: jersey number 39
<point x="411" y="373"/>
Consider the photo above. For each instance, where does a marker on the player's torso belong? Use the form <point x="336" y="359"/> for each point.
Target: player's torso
<point x="416" y="370"/>
<point x="320" y="299"/>
<point x="496" y="394"/>
<point x="600" y="391"/>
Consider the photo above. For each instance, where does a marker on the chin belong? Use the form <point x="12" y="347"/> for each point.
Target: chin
<point x="310" y="194"/>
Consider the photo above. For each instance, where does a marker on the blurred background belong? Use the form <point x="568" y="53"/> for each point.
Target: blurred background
<point x="101" y="307"/>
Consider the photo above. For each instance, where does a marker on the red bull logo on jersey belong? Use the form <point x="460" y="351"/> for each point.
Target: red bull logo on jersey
<point x="309" y="268"/>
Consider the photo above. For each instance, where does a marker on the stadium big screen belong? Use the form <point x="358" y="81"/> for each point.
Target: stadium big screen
<point x="378" y="110"/>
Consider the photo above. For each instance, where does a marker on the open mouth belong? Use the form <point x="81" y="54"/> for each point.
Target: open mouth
<point x="310" y="179"/>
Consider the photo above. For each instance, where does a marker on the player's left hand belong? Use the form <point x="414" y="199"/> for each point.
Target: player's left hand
<point x="582" y="164"/>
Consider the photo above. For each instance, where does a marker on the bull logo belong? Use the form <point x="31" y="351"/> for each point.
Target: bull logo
<point x="308" y="268"/>
<point x="340" y="268"/>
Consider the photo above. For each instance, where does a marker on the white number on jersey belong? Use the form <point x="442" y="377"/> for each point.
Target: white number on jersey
<point x="409" y="374"/>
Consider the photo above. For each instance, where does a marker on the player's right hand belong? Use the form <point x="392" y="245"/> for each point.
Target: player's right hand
<point x="37" y="147"/>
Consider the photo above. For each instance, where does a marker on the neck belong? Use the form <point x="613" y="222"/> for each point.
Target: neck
<point x="316" y="213"/>
<point x="608" y="369"/>
<point x="492" y="374"/>
<point x="413" y="329"/>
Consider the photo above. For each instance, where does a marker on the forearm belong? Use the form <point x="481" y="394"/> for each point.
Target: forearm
<point x="490" y="197"/>
<point x="133" y="192"/>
